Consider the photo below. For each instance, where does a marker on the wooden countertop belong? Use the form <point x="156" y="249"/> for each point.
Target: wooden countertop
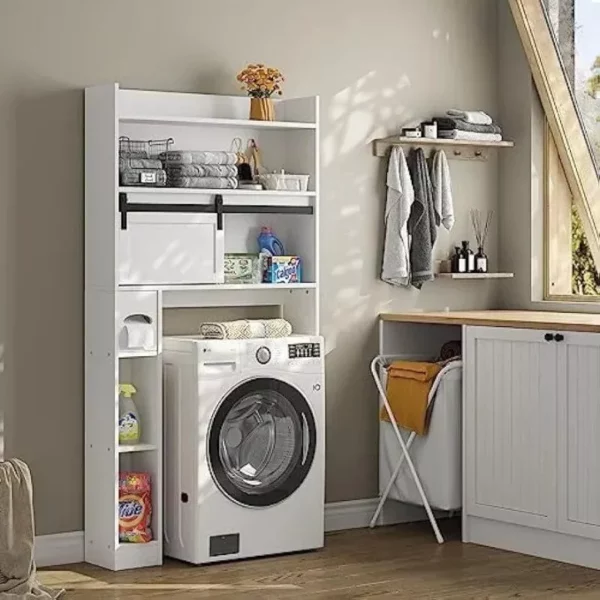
<point x="520" y="319"/>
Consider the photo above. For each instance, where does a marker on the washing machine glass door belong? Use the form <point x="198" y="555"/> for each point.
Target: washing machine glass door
<point x="261" y="442"/>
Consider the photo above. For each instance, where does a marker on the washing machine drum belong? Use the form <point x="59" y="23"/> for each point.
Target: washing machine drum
<point x="262" y="442"/>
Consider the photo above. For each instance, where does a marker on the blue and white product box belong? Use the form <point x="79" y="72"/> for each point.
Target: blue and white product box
<point x="283" y="269"/>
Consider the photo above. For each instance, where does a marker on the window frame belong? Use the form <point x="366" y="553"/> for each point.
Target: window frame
<point x="570" y="174"/>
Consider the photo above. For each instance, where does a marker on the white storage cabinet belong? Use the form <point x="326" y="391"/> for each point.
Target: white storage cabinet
<point x="532" y="438"/>
<point x="147" y="249"/>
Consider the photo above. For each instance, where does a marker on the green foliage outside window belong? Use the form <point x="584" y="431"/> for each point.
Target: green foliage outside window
<point x="585" y="278"/>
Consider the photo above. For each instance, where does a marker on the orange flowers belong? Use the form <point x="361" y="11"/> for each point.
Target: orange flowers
<point x="260" y="81"/>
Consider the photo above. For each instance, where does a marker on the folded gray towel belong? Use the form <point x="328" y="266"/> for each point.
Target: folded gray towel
<point x="421" y="223"/>
<point x="176" y="171"/>
<point x="134" y="177"/>
<point x="139" y="163"/>
<point x="199" y="157"/>
<point x="448" y="124"/>
<point x="215" y="183"/>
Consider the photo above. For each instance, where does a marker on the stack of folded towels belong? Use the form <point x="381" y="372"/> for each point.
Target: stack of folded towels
<point x="135" y="167"/>
<point x="474" y="126"/>
<point x="201" y="169"/>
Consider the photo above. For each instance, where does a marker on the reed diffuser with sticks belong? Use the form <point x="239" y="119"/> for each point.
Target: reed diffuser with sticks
<point x="481" y="233"/>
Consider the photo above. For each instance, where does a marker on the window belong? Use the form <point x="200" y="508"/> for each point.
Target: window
<point x="562" y="43"/>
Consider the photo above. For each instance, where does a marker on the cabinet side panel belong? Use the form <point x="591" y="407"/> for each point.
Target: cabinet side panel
<point x="101" y="183"/>
<point x="101" y="460"/>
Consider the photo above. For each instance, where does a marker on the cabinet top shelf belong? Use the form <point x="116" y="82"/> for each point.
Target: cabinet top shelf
<point x="521" y="319"/>
<point x="214" y="122"/>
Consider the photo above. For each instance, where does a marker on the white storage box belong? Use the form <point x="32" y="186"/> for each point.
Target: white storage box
<point x="436" y="456"/>
<point x="284" y="182"/>
<point x="171" y="248"/>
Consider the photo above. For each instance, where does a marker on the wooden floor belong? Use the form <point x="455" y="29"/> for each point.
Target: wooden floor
<point x="392" y="562"/>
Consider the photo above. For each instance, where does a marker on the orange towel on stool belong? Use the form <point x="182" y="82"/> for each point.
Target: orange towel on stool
<point x="408" y="387"/>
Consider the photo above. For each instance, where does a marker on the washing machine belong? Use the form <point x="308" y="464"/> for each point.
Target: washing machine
<point x="244" y="447"/>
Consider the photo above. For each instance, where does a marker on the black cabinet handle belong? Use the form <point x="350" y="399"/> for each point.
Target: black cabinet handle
<point x="548" y="337"/>
<point x="559" y="337"/>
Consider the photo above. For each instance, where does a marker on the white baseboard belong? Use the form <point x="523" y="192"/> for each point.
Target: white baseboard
<point x="68" y="548"/>
<point x="357" y="514"/>
<point x="59" y="549"/>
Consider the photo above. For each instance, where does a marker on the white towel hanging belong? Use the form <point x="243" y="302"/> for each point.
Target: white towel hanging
<point x="443" y="201"/>
<point x="400" y="198"/>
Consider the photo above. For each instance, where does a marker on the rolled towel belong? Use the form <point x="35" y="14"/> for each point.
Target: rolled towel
<point x="139" y="163"/>
<point x="277" y="328"/>
<point x="199" y="157"/>
<point x="226" y="330"/>
<point x="448" y="124"/>
<point x="477" y="117"/>
<point x="176" y="171"/>
<point x="246" y="329"/>
<point x="134" y="177"/>
<point x="469" y="136"/>
<point x="215" y="183"/>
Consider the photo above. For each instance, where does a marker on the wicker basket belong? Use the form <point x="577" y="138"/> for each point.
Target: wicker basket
<point x="284" y="182"/>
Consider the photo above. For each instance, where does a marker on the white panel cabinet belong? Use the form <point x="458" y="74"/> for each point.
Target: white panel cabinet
<point x="510" y="424"/>
<point x="579" y="435"/>
<point x="174" y="249"/>
<point x="532" y="429"/>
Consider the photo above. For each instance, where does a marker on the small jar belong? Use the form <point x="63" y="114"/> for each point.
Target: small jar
<point x="430" y="130"/>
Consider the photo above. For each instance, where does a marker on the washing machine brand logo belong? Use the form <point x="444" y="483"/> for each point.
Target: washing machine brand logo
<point x="131" y="510"/>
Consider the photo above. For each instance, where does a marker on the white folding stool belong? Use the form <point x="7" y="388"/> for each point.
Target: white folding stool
<point x="381" y="362"/>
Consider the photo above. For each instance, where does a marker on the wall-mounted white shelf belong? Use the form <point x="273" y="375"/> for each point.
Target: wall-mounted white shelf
<point x="126" y="449"/>
<point x="455" y="149"/>
<point x="231" y="123"/>
<point x="475" y="276"/>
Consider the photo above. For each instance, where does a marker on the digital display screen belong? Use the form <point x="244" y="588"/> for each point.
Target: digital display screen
<point x="304" y="350"/>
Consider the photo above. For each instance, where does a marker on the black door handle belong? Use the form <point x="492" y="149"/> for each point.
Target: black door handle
<point x="559" y="337"/>
<point x="548" y="337"/>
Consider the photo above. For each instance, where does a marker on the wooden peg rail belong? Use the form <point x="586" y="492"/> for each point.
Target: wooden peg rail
<point x="455" y="149"/>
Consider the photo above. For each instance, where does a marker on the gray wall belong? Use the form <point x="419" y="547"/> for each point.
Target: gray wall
<point x="376" y="65"/>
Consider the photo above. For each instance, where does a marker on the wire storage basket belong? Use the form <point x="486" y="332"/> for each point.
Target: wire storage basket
<point x="139" y="162"/>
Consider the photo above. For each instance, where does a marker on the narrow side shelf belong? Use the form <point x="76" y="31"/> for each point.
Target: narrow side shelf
<point x="126" y="449"/>
<point x="475" y="276"/>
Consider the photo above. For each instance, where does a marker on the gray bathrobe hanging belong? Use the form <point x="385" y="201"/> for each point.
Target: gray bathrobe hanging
<point x="421" y="223"/>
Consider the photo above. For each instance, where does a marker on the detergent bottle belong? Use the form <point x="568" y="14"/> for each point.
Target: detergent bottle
<point x="269" y="244"/>
<point x="130" y="431"/>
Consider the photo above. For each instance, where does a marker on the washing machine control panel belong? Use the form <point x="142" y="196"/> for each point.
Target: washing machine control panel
<point x="304" y="350"/>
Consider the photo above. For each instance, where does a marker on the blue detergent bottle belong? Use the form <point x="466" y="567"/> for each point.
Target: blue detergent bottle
<point x="269" y="244"/>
